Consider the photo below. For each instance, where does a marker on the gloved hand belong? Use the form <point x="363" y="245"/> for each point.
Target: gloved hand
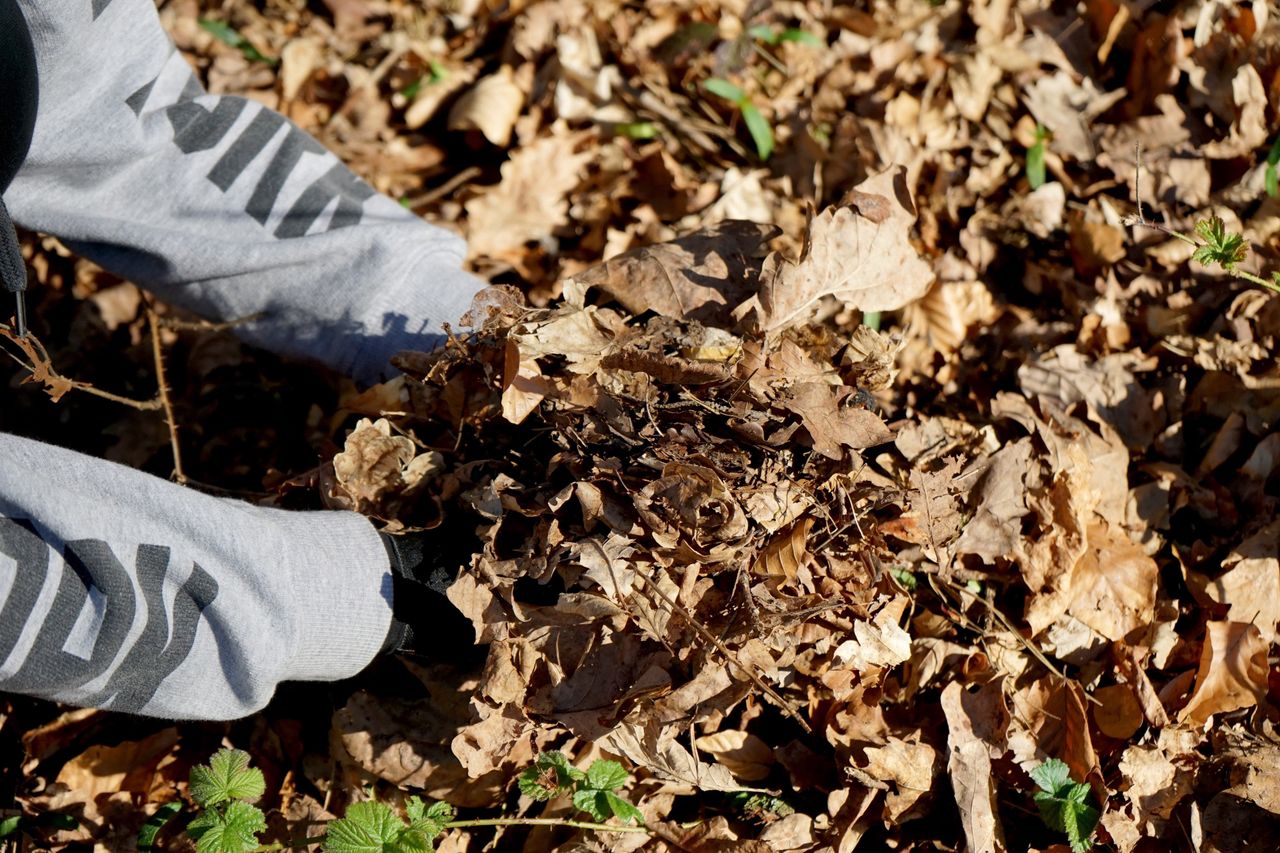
<point x="424" y="622"/>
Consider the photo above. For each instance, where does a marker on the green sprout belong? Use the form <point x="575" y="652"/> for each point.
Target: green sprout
<point x="1064" y="804"/>
<point x="226" y="34"/>
<point x="773" y="36"/>
<point x="1035" y="158"/>
<point x="757" y="124"/>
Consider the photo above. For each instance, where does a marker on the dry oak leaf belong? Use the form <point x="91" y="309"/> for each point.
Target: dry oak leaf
<point x="530" y="201"/>
<point x="700" y="276"/>
<point x="1050" y="721"/>
<point x="859" y="252"/>
<point x="691" y="502"/>
<point x="1232" y="673"/>
<point x="910" y="765"/>
<point x="1155" y="785"/>
<point x="375" y="465"/>
<point x="656" y="749"/>
<point x="107" y="781"/>
<point x="830" y="419"/>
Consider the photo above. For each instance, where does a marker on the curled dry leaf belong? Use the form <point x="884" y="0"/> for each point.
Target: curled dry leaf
<point x="1232" y="673"/>
<point x="969" y="746"/>
<point x="859" y="253"/>
<point x="691" y="503"/>
<point x="781" y="558"/>
<point x="375" y="466"/>
<point x="657" y="750"/>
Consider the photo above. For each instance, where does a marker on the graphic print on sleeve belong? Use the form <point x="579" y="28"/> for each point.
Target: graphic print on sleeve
<point x="94" y="609"/>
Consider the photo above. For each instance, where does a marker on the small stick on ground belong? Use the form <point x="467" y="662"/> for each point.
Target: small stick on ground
<point x="162" y="393"/>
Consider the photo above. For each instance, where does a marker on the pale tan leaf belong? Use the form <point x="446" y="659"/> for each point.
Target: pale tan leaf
<point x="747" y="756"/>
<point x="1232" y="673"/>
<point x="530" y="201"/>
<point x="832" y="423"/>
<point x="969" y="768"/>
<point x="1251" y="585"/>
<point x="860" y="253"/>
<point x="662" y="755"/>
<point x="491" y="106"/>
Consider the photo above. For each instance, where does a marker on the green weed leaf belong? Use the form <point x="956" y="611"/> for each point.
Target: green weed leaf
<point x="1220" y="246"/>
<point x="226" y="34"/>
<point x="231" y="830"/>
<point x="9" y="825"/>
<point x="722" y="88"/>
<point x="372" y="827"/>
<point x="428" y="821"/>
<point x="226" y="777"/>
<point x="758" y="127"/>
<point x="762" y="807"/>
<point x="606" y="775"/>
<point x="550" y="775"/>
<point x="1064" y="804"/>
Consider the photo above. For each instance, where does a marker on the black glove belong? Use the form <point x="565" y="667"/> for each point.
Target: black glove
<point x="18" y="82"/>
<point x="424" y="622"/>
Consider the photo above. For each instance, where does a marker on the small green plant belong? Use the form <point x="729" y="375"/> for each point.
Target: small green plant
<point x="757" y="124"/>
<point x="372" y="827"/>
<point x="225" y="789"/>
<point x="227" y="34"/>
<point x="1064" y="804"/>
<point x="764" y="808"/>
<point x="594" y="792"/>
<point x="1216" y="245"/>
<point x="774" y="36"/>
<point x="1035" y="158"/>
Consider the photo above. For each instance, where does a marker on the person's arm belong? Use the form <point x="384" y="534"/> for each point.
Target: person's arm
<point x="119" y="590"/>
<point x="220" y="205"/>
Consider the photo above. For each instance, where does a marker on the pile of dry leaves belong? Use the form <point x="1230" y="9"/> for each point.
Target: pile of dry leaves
<point x="867" y="478"/>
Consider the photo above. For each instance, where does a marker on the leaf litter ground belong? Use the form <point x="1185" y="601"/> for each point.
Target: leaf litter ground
<point x="725" y="531"/>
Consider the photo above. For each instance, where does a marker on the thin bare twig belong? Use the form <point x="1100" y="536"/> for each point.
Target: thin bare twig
<point x="162" y="392"/>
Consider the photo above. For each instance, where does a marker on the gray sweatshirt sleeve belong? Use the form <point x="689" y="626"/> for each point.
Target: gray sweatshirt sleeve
<point x="119" y="590"/>
<point x="218" y="204"/>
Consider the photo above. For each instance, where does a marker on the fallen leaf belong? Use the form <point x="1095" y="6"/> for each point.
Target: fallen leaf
<point x="747" y="756"/>
<point x="700" y="276"/>
<point x="530" y="202"/>
<point x="491" y="106"/>
<point x="1232" y="673"/>
<point x="868" y="262"/>
<point x="969" y="768"/>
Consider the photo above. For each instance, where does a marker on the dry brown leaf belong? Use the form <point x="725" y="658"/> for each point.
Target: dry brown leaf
<point x="831" y="421"/>
<point x="700" y="276"/>
<point x="860" y="253"/>
<point x="1155" y="784"/>
<point x="111" y="780"/>
<point x="1251" y="585"/>
<point x="1232" y="673"/>
<point x="969" y="767"/>
<point x="793" y="832"/>
<point x="1049" y="721"/>
<point x="910" y="765"/>
<point x="782" y="557"/>
<point x="491" y="106"/>
<point x="656" y="749"/>
<point x="1118" y="713"/>
<point x="747" y="756"/>
<point x="375" y="466"/>
<point x="529" y="203"/>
